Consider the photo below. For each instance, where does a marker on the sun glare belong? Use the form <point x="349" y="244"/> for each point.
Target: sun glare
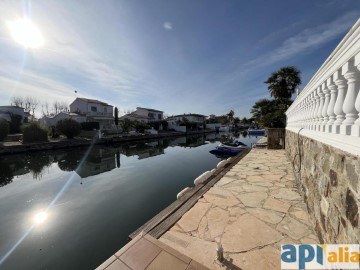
<point x="24" y="32"/>
<point x="40" y="218"/>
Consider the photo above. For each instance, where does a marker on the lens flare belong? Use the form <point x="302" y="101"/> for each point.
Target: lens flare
<point x="40" y="218"/>
<point x="25" y="33"/>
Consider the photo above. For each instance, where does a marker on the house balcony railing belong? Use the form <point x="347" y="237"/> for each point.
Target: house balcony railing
<point x="328" y="108"/>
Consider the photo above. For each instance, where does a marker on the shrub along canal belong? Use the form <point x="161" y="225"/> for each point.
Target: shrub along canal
<point x="72" y="209"/>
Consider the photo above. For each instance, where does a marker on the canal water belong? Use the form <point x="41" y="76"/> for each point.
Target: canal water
<point x="73" y="209"/>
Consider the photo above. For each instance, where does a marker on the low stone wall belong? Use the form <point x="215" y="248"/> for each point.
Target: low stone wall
<point x="328" y="179"/>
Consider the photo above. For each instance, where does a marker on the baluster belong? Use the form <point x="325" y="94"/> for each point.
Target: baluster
<point x="325" y="115"/>
<point x="316" y="109"/>
<point x="308" y="111"/>
<point x="338" y="109"/>
<point x="300" y="114"/>
<point x="313" y="105"/>
<point x="355" y="129"/>
<point x="321" y="105"/>
<point x="330" y="111"/>
<point x="350" y="73"/>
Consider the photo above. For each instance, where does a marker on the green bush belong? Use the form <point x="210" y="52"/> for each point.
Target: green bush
<point x="4" y="130"/>
<point x="140" y="126"/>
<point x="34" y="133"/>
<point x="68" y="127"/>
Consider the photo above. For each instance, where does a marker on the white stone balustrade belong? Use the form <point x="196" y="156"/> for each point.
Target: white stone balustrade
<point x="328" y="107"/>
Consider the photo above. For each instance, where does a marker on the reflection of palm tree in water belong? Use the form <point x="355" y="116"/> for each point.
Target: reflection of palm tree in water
<point x="118" y="159"/>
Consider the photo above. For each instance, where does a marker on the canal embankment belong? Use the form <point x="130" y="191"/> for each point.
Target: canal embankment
<point x="250" y="210"/>
<point x="249" y="205"/>
<point x="17" y="147"/>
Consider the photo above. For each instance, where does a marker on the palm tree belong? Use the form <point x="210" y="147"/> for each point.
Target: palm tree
<point x="230" y="116"/>
<point x="283" y="83"/>
<point x="116" y="116"/>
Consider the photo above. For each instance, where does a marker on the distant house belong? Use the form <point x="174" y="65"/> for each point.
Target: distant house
<point x="153" y="115"/>
<point x="49" y="121"/>
<point x="135" y="117"/>
<point x="191" y="117"/>
<point x="94" y="111"/>
<point x="173" y="121"/>
<point x="144" y="115"/>
<point x="6" y="111"/>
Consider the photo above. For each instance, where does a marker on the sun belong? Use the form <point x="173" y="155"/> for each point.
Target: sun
<point x="40" y="218"/>
<point x="24" y="32"/>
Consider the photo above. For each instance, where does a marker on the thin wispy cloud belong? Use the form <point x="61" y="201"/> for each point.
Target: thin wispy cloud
<point x="168" y="25"/>
<point x="305" y="41"/>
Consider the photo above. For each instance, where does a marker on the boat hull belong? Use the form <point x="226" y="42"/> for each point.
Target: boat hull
<point x="225" y="152"/>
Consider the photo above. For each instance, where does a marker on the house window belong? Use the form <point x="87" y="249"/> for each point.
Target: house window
<point x="159" y="116"/>
<point x="105" y="109"/>
<point x="93" y="108"/>
<point x="151" y="115"/>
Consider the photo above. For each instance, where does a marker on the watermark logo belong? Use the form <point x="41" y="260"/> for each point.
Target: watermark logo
<point x="340" y="256"/>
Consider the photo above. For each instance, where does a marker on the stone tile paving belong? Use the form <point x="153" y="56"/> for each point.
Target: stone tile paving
<point x="147" y="253"/>
<point x="251" y="211"/>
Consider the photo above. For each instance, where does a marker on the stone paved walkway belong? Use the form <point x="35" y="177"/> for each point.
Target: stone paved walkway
<point x="251" y="211"/>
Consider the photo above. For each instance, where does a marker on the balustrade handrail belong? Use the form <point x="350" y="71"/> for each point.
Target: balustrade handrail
<point x="329" y="106"/>
<point x="342" y="53"/>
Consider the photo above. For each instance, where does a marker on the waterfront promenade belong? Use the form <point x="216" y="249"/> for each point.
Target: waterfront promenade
<point x="251" y="211"/>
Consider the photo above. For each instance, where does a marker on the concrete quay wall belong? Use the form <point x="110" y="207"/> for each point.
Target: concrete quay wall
<point x="72" y="143"/>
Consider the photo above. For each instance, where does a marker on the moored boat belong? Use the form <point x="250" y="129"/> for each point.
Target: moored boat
<point x="236" y="145"/>
<point x="225" y="152"/>
<point x="256" y="132"/>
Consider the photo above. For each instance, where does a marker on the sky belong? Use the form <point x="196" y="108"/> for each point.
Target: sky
<point x="178" y="56"/>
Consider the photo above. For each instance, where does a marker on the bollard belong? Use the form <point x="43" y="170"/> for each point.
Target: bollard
<point x="219" y="253"/>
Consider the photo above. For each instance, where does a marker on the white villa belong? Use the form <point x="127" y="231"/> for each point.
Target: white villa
<point x="192" y="117"/>
<point x="84" y="110"/>
<point x="144" y="115"/>
<point x="94" y="111"/>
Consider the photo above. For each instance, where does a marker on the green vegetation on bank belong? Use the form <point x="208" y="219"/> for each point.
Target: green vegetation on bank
<point x="68" y="127"/>
<point x="34" y="133"/>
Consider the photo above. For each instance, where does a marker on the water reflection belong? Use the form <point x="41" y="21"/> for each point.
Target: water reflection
<point x="99" y="160"/>
<point x="123" y="188"/>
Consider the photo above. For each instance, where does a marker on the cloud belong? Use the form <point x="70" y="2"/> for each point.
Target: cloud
<point x="306" y="40"/>
<point x="168" y="25"/>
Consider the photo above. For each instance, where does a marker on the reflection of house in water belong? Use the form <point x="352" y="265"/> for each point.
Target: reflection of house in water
<point x="178" y="141"/>
<point x="152" y="152"/>
<point x="213" y="136"/>
<point x="194" y="141"/>
<point x="98" y="161"/>
<point x="146" y="150"/>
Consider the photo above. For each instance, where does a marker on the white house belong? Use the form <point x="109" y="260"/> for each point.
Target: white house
<point x="153" y="115"/>
<point x="6" y="111"/>
<point x="191" y="117"/>
<point x="135" y="117"/>
<point x="94" y="111"/>
<point x="49" y="121"/>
